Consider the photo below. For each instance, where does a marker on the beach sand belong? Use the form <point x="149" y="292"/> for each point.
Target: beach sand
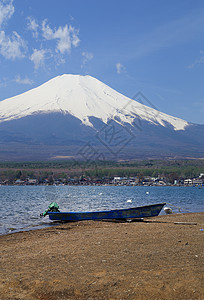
<point x="157" y="259"/>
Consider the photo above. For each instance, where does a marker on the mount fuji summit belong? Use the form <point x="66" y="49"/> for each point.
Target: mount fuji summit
<point x="74" y="116"/>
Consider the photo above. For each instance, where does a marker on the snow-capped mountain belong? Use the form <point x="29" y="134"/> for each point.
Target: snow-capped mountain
<point x="82" y="97"/>
<point x="69" y="113"/>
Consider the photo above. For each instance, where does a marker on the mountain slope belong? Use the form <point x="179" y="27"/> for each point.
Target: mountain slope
<point x="81" y="117"/>
<point x="82" y="97"/>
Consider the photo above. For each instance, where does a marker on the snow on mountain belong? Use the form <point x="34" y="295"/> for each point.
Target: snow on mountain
<point x="83" y="97"/>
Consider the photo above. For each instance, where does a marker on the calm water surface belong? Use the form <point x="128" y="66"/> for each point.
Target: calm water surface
<point x="22" y="205"/>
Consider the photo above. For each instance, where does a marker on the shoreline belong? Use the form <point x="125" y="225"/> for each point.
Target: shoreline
<point x="159" y="258"/>
<point x="51" y="223"/>
<point x="58" y="223"/>
<point x="106" y="184"/>
<point x="40" y="227"/>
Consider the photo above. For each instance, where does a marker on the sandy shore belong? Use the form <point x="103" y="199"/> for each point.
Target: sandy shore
<point x="157" y="259"/>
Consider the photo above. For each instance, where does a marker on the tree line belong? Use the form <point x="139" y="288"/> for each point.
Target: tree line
<point x="171" y="170"/>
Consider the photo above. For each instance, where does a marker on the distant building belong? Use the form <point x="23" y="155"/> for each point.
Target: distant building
<point x="197" y="181"/>
<point x="188" y="181"/>
<point x="20" y="182"/>
<point x="32" y="181"/>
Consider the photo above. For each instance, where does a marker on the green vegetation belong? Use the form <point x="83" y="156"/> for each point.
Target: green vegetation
<point x="171" y="169"/>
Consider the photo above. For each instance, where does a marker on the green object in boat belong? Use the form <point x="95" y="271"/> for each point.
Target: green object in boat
<point x="53" y="207"/>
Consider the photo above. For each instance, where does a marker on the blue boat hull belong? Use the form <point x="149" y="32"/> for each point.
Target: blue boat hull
<point x="130" y="213"/>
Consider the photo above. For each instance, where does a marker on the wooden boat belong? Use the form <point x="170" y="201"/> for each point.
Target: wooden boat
<point x="127" y="213"/>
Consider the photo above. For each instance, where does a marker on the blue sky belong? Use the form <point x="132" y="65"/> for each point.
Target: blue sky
<point x="154" y="47"/>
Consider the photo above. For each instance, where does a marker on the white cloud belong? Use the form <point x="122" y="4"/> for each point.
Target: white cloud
<point x="197" y="61"/>
<point x="4" y="82"/>
<point x="6" y="11"/>
<point x="33" y="26"/>
<point x="74" y="33"/>
<point x="58" y="59"/>
<point x="38" y="58"/>
<point x="120" y="68"/>
<point x="66" y="37"/>
<point x="87" y="56"/>
<point x="169" y="34"/>
<point x="25" y="80"/>
<point x="12" y="47"/>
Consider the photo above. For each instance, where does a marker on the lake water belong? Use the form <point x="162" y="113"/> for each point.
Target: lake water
<point x="21" y="205"/>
